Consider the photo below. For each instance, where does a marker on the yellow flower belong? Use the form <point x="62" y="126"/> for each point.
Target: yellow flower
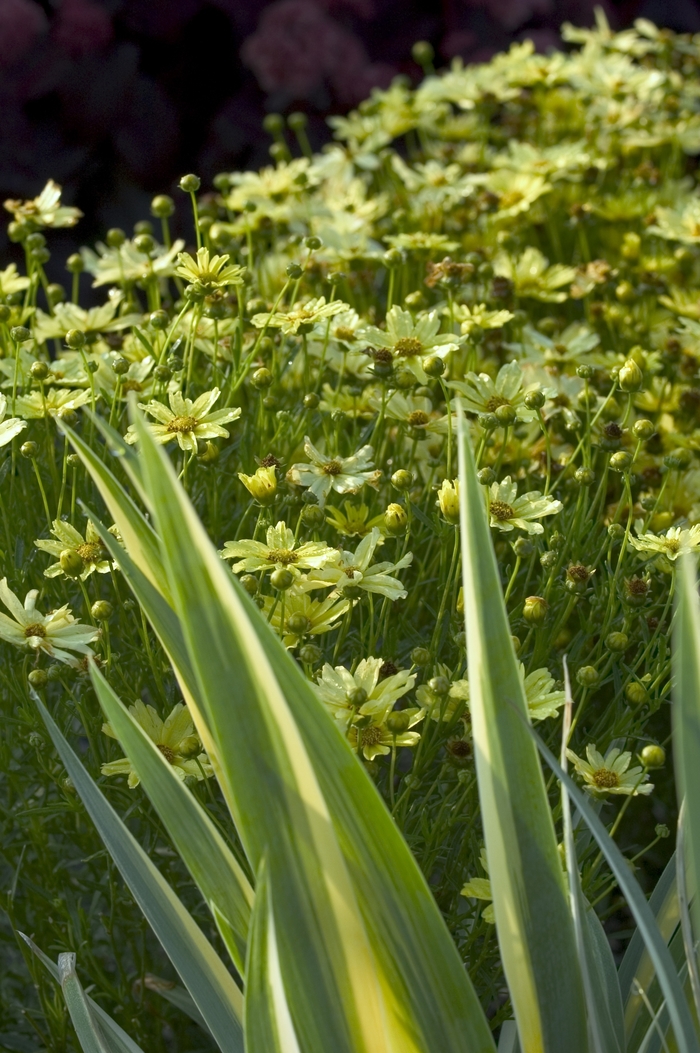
<point x="300" y="616"/>
<point x="262" y="486"/>
<point x="375" y="739"/>
<point x="90" y="549"/>
<point x="174" y="738"/>
<point x="279" y="550"/>
<point x="45" y="210"/>
<point x="448" y="500"/>
<point x="55" y="633"/>
<point x="187" y="420"/>
<point x="480" y="888"/>
<point x="610" y="774"/>
<point x="208" y="273"/>
<point x="353" y="521"/>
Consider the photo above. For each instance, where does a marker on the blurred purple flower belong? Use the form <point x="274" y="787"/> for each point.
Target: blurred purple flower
<point x="21" y="22"/>
<point x="81" y="27"/>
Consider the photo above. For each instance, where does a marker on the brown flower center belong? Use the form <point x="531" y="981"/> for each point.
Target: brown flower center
<point x="36" y="629"/>
<point x="408" y="346"/>
<point x="501" y="510"/>
<point x="637" y="586"/>
<point x="90" y="552"/>
<point x="578" y="572"/>
<point x="418" y="419"/>
<point x="459" y="748"/>
<point x="333" y="468"/>
<point x="182" y="424"/>
<point x="285" y="556"/>
<point x="495" y="402"/>
<point x="167" y="752"/>
<point x="371" y="736"/>
<point x="270" y="461"/>
<point x="605" y="779"/>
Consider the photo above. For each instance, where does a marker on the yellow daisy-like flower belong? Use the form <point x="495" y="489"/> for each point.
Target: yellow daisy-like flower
<point x="300" y="615"/>
<point x="481" y="394"/>
<point x="353" y="521"/>
<point x="279" y="551"/>
<point x="480" y="888"/>
<point x="350" y="696"/>
<point x="262" y="486"/>
<point x="409" y="342"/>
<point x="11" y="427"/>
<point x="56" y="633"/>
<point x="345" y="475"/>
<point x="11" y="281"/>
<point x="208" y="273"/>
<point x="533" y="277"/>
<point x="677" y="541"/>
<point x="90" y="549"/>
<point x="352" y="572"/>
<point x="301" y="318"/>
<point x="52" y="402"/>
<point x="610" y="774"/>
<point x="480" y="316"/>
<point x="508" y="511"/>
<point x="174" y="737"/>
<point x="45" y="210"/>
<point x="187" y="421"/>
<point x="375" y="739"/>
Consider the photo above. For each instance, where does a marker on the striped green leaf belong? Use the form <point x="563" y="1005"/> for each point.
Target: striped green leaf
<point x="86" y="1028"/>
<point x="366" y="959"/>
<point x="203" y="973"/>
<point x="204" y="852"/>
<point x="533" y="919"/>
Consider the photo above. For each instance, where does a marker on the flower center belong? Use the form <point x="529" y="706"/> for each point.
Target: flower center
<point x="282" y="555"/>
<point x="371" y="736"/>
<point x="37" y="629"/>
<point x="90" y="552"/>
<point x="672" y="544"/>
<point x="501" y="510"/>
<point x="495" y="402"/>
<point x="333" y="468"/>
<point x="343" y="333"/>
<point x="605" y="779"/>
<point x="131" y="385"/>
<point x="512" y="197"/>
<point x="182" y="424"/>
<point x="167" y="752"/>
<point x="418" y="419"/>
<point x="408" y="346"/>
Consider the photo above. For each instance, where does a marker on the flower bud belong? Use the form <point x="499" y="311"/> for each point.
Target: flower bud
<point x="434" y="366"/>
<point x="617" y="642"/>
<point x="631" y="246"/>
<point x="120" y="365"/>
<point x="261" y="378"/>
<point x="661" y="830"/>
<point x="356" y="696"/>
<point x="310" y="654"/>
<point x="75" y="339"/>
<point x="439" y="685"/>
<point x="398" y="721"/>
<point x="144" y="243"/>
<point x="620" y="461"/>
<point x="55" y="293"/>
<point x="678" y="460"/>
<point x="534" y="399"/>
<point x="262" y="486"/>
<point x="71" y="563"/>
<point x="505" y="415"/>
<point x="643" y="429"/>
<point x="584" y="476"/>
<point x="523" y="547"/>
<point x="39" y="370"/>
<point x="585" y="371"/>
<point x="38" y="679"/>
<point x="653" y="756"/>
<point x="294" y="271"/>
<point x="313" y="516"/>
<point x="162" y="206"/>
<point x="393" y="257"/>
<point x="311" y="401"/>
<point x="588" y="676"/>
<point x="163" y="374"/>
<point x="298" y="623"/>
<point x="313" y="242"/>
<point x="636" y="590"/>
<point x="75" y="264"/>
<point x="420" y="656"/>
<point x="535" y="610"/>
<point x="630" y="377"/>
<point x="488" y="421"/>
<point x="158" y="319"/>
<point x="281" y="579"/>
<point x="115" y="237"/>
<point x="20" y="333"/>
<point x="423" y="53"/>
<point x="486" y="476"/>
<point x="190" y="184"/>
<point x="402" y="480"/>
<point x="101" y="610"/>
<point x="636" y="693"/>
<point x="616" y="531"/>
<point x="459" y="753"/>
<point x="448" y="500"/>
<point x="395" y="519"/>
<point x="625" y="292"/>
<point x="29" y="450"/>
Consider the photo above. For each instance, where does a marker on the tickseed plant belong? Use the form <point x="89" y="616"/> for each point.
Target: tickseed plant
<point x="321" y="520"/>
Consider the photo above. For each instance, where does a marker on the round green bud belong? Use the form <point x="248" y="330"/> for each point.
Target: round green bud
<point x="488" y="421"/>
<point x="175" y="363"/>
<point x="653" y="756"/>
<point x="523" y="547"/>
<point x="73" y="461"/>
<point x="486" y="476"/>
<point x="643" y="429"/>
<point x="548" y="559"/>
<point x="5" y="312"/>
<point x="617" y="642"/>
<point x="630" y="377"/>
<point x="38" y="679"/>
<point x="298" y="623"/>
<point x="249" y="583"/>
<point x="120" y="366"/>
<point x="506" y="415"/>
<point x="356" y="697"/>
<point x="273" y="123"/>
<point x="75" y="263"/>
<point x="678" y="460"/>
<point x="75" y="339"/>
<point x="404" y="379"/>
<point x="115" y="237"/>
<point x="310" y="654"/>
<point x="616" y="531"/>
<point x="29" y="450"/>
<point x="395" y="519"/>
<point x="162" y="206"/>
<point x="39" y="370"/>
<point x="584" y="476"/>
<point x="144" y="226"/>
<point x="534" y="399"/>
<point x="297" y="121"/>
<point x="585" y="372"/>
<point x="398" y="721"/>
<point x="434" y="366"/>
<point x="281" y="579"/>
<point x="35" y="240"/>
<point x="420" y="656"/>
<point x="262" y="378"/>
<point x="625" y="292"/>
<point x="393" y="258"/>
<point x="661" y="830"/>
<point x="55" y="293"/>
<point x="17" y="231"/>
<point x="101" y="610"/>
<point x="311" y="401"/>
<point x="439" y="685"/>
<point x="423" y="53"/>
<point x="631" y="246"/>
<point x="40" y="255"/>
<point x="163" y="374"/>
<point x="144" y="243"/>
<point x="588" y="676"/>
<point x="620" y="461"/>
<point x="294" y="271"/>
<point x="313" y="242"/>
<point x="636" y="693"/>
<point x="402" y="480"/>
<point x="278" y="152"/>
<point x="71" y="563"/>
<point x="158" y="320"/>
<point x="190" y="183"/>
<point x="20" y="333"/>
<point x="535" y="610"/>
<point x="313" y="516"/>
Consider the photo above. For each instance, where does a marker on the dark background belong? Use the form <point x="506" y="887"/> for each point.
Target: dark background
<point x="115" y="99"/>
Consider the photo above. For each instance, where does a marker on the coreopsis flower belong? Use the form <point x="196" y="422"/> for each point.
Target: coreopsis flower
<point x="413" y="410"/>
<point x="187" y="421"/>
<point x="115" y="266"/>
<point x="45" y="210"/>
<point x="89" y="548"/>
<point x="508" y="511"/>
<point x="570" y="347"/>
<point x="300" y="318"/>
<point x="421" y="241"/>
<point x="450" y="699"/>
<point x="208" y="273"/>
<point x="376" y="739"/>
<point x="448" y="500"/>
<point x="409" y="342"/>
<point x="345" y="328"/>
<point x="677" y="541"/>
<point x="349" y="696"/>
<point x="262" y="486"/>
<point x="351" y="572"/>
<point x="516" y="191"/>
<point x="345" y="475"/>
<point x="11" y="281"/>
<point x="67" y="316"/>
<point x="10" y="427"/>
<point x="56" y="633"/>
<point x="138" y="377"/>
<point x="279" y="550"/>
<point x="533" y="277"/>
<point x="53" y="402"/>
<point x="480" y="316"/>
<point x="175" y="739"/>
<point x="481" y="394"/>
<point x="679" y="224"/>
<point x="300" y="615"/>
<point x="480" y="888"/>
<point x="353" y="521"/>
<point x="610" y="774"/>
<point x="542" y="701"/>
